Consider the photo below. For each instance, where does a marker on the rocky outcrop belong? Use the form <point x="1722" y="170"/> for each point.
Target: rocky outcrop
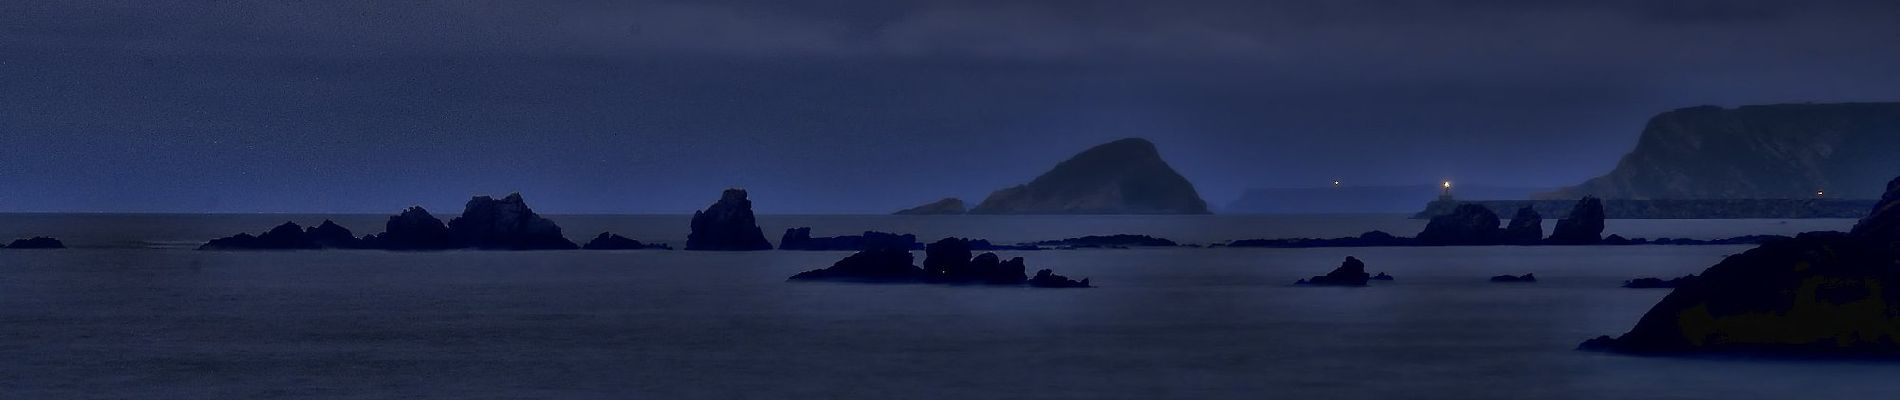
<point x="290" y="236"/>
<point x="727" y="225"/>
<point x="1526" y="228"/>
<point x="1525" y="278"/>
<point x="1825" y="294"/>
<point x="1126" y="176"/>
<point x="947" y="206"/>
<point x="610" y="241"/>
<point x="506" y="224"/>
<point x="880" y="265"/>
<point x="1757" y="152"/>
<point x="413" y="229"/>
<point x="1109" y="241"/>
<point x="36" y="242"/>
<point x="1658" y="283"/>
<point x="1584" y="225"/>
<point x="949" y="261"/>
<point x="1352" y="272"/>
<point x="1049" y="279"/>
<point x="1469" y="225"/>
<point x="800" y="239"/>
<point x="946" y="261"/>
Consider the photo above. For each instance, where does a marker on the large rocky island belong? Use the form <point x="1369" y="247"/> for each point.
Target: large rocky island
<point x="1784" y="151"/>
<point x="1125" y="176"/>
<point x="1819" y="294"/>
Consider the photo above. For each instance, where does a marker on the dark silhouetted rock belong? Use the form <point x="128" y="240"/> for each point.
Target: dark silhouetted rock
<point x="948" y="261"/>
<point x="881" y="265"/>
<point x="947" y="206"/>
<point x="727" y="225"/>
<point x="1820" y="294"/>
<point x="800" y="239"/>
<point x="1126" y="176"/>
<point x="1657" y="283"/>
<point x="36" y="242"/>
<point x="610" y="241"/>
<point x="1511" y="279"/>
<point x="1526" y="228"/>
<point x="506" y="224"/>
<point x="1368" y="239"/>
<point x="1049" y="279"/>
<point x="1883" y="224"/>
<point x="413" y="229"/>
<point x="289" y="236"/>
<point x="1109" y="241"/>
<point x="1352" y="272"/>
<point x="1583" y="226"/>
<point x="1468" y="225"/>
<point x="329" y="235"/>
<point x="1381" y="277"/>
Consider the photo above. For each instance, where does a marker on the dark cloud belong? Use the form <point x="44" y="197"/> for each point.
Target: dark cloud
<point x="836" y="106"/>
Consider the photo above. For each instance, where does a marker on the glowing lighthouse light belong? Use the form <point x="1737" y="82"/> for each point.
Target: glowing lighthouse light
<point x="1447" y="186"/>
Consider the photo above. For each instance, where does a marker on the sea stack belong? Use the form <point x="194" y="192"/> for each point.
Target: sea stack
<point x="1584" y="225"/>
<point x="727" y="225"/>
<point x="1821" y="294"/>
<point x="1468" y="225"/>
<point x="1125" y="176"/>
<point x="1526" y="228"/>
<point x="506" y="224"/>
<point x="1352" y="272"/>
<point x="947" y="206"/>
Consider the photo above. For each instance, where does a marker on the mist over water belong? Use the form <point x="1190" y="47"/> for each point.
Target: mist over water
<point x="115" y="318"/>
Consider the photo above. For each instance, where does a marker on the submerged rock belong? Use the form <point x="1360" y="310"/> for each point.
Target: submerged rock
<point x="1583" y="226"/>
<point x="413" y="229"/>
<point x="506" y="224"/>
<point x="800" y="239"/>
<point x="1352" y="272"/>
<point x="947" y="206"/>
<point x="727" y="225"/>
<point x="1512" y="279"/>
<point x="610" y="241"/>
<point x="1110" y="241"/>
<point x="1658" y="283"/>
<point x="36" y="242"/>
<point x="1526" y="228"/>
<point x="1468" y="225"/>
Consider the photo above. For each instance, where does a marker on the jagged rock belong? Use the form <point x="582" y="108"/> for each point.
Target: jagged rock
<point x="289" y="236"/>
<point x="727" y="225"/>
<point x="886" y="264"/>
<point x="1510" y="279"/>
<point x="36" y="242"/>
<point x="610" y="241"/>
<point x="1110" y="241"/>
<point x="1818" y="294"/>
<point x="1469" y="225"/>
<point x="1126" y="176"/>
<point x="1526" y="227"/>
<point x="330" y="235"/>
<point x="1352" y="272"/>
<point x="1381" y="277"/>
<point x="947" y="206"/>
<point x="1657" y="283"/>
<point x="1049" y="279"/>
<point x="506" y="224"/>
<point x="1777" y="151"/>
<point x="1584" y="226"/>
<point x="413" y="229"/>
<point x="948" y="261"/>
<point x="800" y="239"/>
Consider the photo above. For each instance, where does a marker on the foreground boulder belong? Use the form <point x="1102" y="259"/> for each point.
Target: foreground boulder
<point x="610" y="241"/>
<point x="800" y="239"/>
<point x="1583" y="226"/>
<point x="727" y="225"/>
<point x="290" y="236"/>
<point x="1823" y="294"/>
<point x="413" y="229"/>
<point x="1468" y="225"/>
<point x="36" y="242"/>
<point x="1352" y="272"/>
<point x="506" y="224"/>
<point x="1526" y="228"/>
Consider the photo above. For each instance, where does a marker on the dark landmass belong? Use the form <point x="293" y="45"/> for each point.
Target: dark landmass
<point x="1675" y="208"/>
<point x="506" y="224"/>
<point x="946" y="261"/>
<point x="1125" y="176"/>
<point x="1352" y="272"/>
<point x="35" y="243"/>
<point x="727" y="225"/>
<point x="1783" y="151"/>
<point x="610" y="241"/>
<point x="413" y="229"/>
<point x="947" y="206"/>
<point x="800" y="239"/>
<point x="1473" y="225"/>
<point x="1820" y="294"/>
<point x="1363" y="199"/>
<point x="1109" y="241"/>
<point x="1525" y="278"/>
<point x="290" y="236"/>
<point x="1658" y="283"/>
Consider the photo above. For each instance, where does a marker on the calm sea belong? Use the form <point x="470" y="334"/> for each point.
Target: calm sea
<point x="132" y="312"/>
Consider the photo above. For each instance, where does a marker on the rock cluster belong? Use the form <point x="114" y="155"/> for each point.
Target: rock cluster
<point x="727" y="225"/>
<point x="506" y="224"/>
<point x="290" y="236"/>
<point x="485" y="223"/>
<point x="947" y="261"/>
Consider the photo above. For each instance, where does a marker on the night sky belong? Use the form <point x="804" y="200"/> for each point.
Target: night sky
<point x="863" y="106"/>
